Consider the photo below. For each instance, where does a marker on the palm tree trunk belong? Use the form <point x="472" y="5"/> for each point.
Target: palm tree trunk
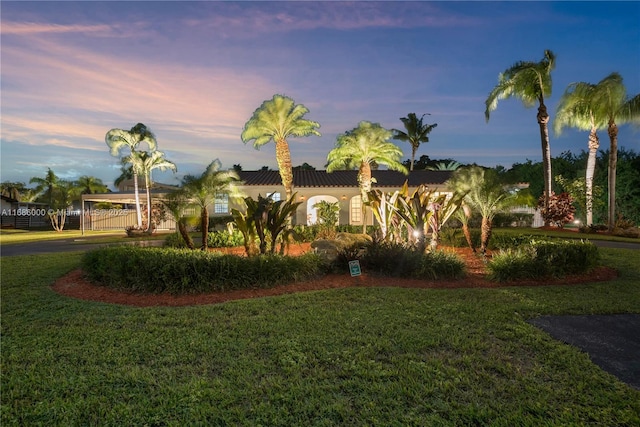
<point x="465" y="227"/>
<point x="147" y="185"/>
<point x="543" y="120"/>
<point x="182" y="228"/>
<point x="283" y="157"/>
<point x="137" y="197"/>
<point x="204" y="226"/>
<point x="485" y="234"/>
<point x="613" y="163"/>
<point x="413" y="156"/>
<point x="594" y="144"/>
<point x="364" y="179"/>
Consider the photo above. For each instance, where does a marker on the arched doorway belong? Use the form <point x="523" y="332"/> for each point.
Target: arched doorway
<point x="312" y="213"/>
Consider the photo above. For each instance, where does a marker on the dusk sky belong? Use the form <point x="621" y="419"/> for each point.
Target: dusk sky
<point x="194" y="72"/>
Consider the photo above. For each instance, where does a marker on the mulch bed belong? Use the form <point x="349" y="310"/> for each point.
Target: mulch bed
<point x="75" y="285"/>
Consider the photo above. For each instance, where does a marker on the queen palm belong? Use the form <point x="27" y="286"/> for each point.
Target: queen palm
<point x="202" y="190"/>
<point x="577" y="109"/>
<point x="143" y="163"/>
<point x="416" y="133"/>
<point x="531" y="82"/>
<point x="362" y="147"/>
<point x="611" y="103"/>
<point x="119" y="139"/>
<point x="275" y="120"/>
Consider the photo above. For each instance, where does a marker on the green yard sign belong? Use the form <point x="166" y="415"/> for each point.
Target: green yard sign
<point x="354" y="268"/>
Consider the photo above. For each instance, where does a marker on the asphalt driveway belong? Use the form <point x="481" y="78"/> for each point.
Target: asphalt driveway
<point x="611" y="341"/>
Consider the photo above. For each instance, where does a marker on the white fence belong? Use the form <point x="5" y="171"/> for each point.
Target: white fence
<point x="537" y="217"/>
<point x="111" y="219"/>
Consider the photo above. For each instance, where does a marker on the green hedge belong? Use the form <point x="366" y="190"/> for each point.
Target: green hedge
<point x="180" y="271"/>
<point x="397" y="260"/>
<point x="543" y="258"/>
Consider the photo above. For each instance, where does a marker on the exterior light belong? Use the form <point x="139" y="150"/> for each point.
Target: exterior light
<point x="416" y="234"/>
<point x="302" y="198"/>
<point x="344" y="197"/>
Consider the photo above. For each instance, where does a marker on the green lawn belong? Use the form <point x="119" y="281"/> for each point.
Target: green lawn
<point x="10" y="237"/>
<point x="361" y="356"/>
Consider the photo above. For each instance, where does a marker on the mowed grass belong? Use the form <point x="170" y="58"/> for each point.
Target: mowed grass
<point x="11" y="236"/>
<point x="360" y="356"/>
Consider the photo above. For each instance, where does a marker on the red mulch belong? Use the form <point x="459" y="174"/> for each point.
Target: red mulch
<point x="75" y="285"/>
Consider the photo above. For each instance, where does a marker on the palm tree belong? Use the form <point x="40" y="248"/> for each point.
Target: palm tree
<point x="362" y="147"/>
<point x="276" y="120"/>
<point x="143" y="163"/>
<point x="46" y="185"/>
<point x="202" y="190"/>
<point x="90" y="185"/>
<point x="126" y="173"/>
<point x="416" y="133"/>
<point x="119" y="139"/>
<point x="531" y="82"/>
<point x="176" y="202"/>
<point x="610" y="102"/>
<point x="485" y="194"/>
<point x="577" y="109"/>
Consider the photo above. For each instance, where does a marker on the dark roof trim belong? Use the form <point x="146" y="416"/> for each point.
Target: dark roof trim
<point x="320" y="178"/>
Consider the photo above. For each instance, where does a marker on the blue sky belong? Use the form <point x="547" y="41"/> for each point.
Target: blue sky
<point x="194" y="72"/>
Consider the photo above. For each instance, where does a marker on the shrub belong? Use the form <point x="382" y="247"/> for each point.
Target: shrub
<point x="177" y="271"/>
<point x="224" y="239"/>
<point x="398" y="260"/>
<point x="512" y="219"/>
<point x="512" y="264"/>
<point x="543" y="258"/>
<point x="561" y="210"/>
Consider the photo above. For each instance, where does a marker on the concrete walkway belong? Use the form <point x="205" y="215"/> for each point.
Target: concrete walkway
<point x="611" y="341"/>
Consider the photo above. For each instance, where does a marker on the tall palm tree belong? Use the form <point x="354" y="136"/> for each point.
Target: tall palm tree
<point x="531" y="83"/>
<point x="611" y="103"/>
<point x="202" y="190"/>
<point x="47" y="185"/>
<point x="143" y="163"/>
<point x="416" y="133"/>
<point x="119" y="139"/>
<point x="362" y="147"/>
<point x="577" y="109"/>
<point x="90" y="185"/>
<point x="275" y="120"/>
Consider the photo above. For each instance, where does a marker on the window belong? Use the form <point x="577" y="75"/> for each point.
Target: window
<point x="356" y="209"/>
<point x="274" y="196"/>
<point x="221" y="205"/>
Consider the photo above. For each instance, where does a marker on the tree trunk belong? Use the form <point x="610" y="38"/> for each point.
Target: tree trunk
<point x="594" y="144"/>
<point x="413" y="156"/>
<point x="283" y="157"/>
<point x="185" y="233"/>
<point x="465" y="227"/>
<point x="147" y="185"/>
<point x="364" y="179"/>
<point x="204" y="226"/>
<point x="136" y="193"/>
<point x="543" y="120"/>
<point x="613" y="163"/>
<point x="485" y="234"/>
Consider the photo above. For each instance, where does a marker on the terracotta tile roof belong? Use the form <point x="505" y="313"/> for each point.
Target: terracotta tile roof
<point x="320" y="178"/>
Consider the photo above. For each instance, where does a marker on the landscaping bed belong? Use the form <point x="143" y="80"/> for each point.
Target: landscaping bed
<point x="75" y="285"/>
